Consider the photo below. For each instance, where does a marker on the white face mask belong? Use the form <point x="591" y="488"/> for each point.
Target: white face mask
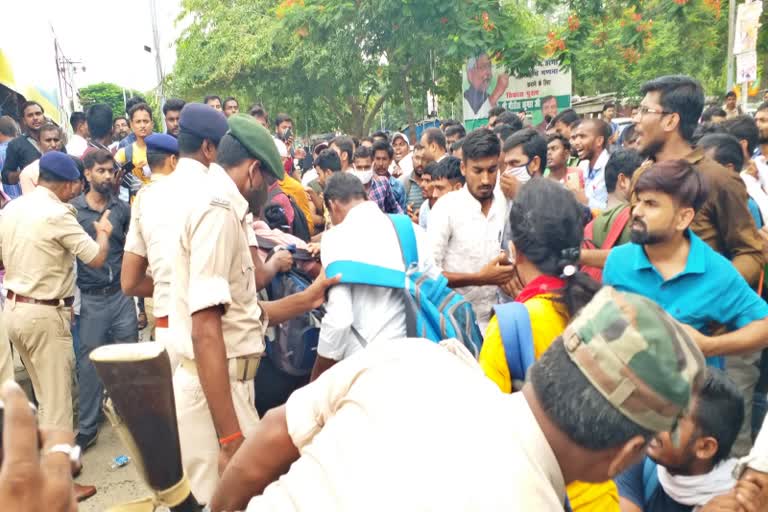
<point x="521" y="173"/>
<point x="363" y="175"/>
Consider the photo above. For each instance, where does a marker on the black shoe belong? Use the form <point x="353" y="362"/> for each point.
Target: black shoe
<point x="86" y="441"/>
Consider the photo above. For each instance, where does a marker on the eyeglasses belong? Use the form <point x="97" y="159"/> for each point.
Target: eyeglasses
<point x="645" y="110"/>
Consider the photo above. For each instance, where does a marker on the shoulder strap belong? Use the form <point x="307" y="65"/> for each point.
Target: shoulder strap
<point x="271" y="194"/>
<point x="354" y="272"/>
<point x="268" y="245"/>
<point x="407" y="237"/>
<point x="589" y="230"/>
<point x="617" y="228"/>
<point x="650" y="479"/>
<point x="516" y="336"/>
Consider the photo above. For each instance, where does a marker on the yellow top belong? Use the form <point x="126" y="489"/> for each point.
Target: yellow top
<point x="139" y="159"/>
<point x="292" y="187"/>
<point x="548" y="321"/>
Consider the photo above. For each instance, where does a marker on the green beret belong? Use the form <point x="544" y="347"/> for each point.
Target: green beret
<point x="258" y="141"/>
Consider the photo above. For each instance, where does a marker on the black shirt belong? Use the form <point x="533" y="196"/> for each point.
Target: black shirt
<point x="120" y="216"/>
<point x="19" y="154"/>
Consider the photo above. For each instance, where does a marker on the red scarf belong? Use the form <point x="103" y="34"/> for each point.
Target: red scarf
<point x="542" y="285"/>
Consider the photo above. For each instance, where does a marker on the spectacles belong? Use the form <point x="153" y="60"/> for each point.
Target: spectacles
<point x="645" y="110"/>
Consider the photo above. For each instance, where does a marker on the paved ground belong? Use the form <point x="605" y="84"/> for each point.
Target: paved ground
<point x="112" y="486"/>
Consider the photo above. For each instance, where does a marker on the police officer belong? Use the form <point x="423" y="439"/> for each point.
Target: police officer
<point x="149" y="244"/>
<point x="39" y="235"/>
<point x="217" y="320"/>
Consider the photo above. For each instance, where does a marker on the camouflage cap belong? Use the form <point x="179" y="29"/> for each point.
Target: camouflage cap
<point x="637" y="356"/>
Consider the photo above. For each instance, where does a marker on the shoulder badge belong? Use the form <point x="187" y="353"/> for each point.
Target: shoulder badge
<point x="220" y="202"/>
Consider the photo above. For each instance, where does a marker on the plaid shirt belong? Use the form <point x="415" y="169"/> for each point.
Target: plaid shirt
<point x="381" y="193"/>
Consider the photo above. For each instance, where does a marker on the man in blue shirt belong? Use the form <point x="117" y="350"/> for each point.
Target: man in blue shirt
<point x="695" y="470"/>
<point x="669" y="264"/>
<point x="382" y="159"/>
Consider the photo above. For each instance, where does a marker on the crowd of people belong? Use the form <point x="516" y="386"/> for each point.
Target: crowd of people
<point x="615" y="275"/>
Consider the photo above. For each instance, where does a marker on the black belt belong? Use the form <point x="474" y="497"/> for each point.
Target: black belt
<point x="103" y="292"/>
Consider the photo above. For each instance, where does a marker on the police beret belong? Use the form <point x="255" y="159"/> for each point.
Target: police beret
<point x="258" y="141"/>
<point x="59" y="164"/>
<point x="162" y="142"/>
<point x="203" y="121"/>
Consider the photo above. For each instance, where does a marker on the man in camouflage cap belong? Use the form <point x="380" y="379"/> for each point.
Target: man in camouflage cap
<point x="622" y="371"/>
<point x="432" y="427"/>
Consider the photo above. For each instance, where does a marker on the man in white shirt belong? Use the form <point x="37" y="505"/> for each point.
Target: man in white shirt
<point x="50" y="140"/>
<point x="78" y="143"/>
<point x="359" y="315"/>
<point x="435" y="145"/>
<point x="589" y="140"/>
<point x="466" y="226"/>
<point x="410" y="425"/>
<point x="402" y="164"/>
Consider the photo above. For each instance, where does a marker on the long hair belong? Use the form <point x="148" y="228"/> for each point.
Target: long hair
<point x="547" y="227"/>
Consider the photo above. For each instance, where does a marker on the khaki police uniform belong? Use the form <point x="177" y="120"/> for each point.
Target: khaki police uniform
<point x="39" y="239"/>
<point x="153" y="235"/>
<point x="213" y="266"/>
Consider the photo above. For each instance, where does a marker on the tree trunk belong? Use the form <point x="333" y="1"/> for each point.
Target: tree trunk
<point x="409" y="110"/>
<point x="371" y="117"/>
<point x="356" y="127"/>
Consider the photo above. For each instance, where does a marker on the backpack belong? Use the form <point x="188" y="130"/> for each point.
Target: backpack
<point x="610" y="240"/>
<point x="517" y="339"/>
<point x="433" y="310"/>
<point x="650" y="479"/>
<point x="299" y="226"/>
<point x="294" y="347"/>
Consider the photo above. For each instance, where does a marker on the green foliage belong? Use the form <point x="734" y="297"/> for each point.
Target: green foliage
<point x="104" y="92"/>
<point x="334" y="63"/>
<point x="112" y="95"/>
<point x="619" y="46"/>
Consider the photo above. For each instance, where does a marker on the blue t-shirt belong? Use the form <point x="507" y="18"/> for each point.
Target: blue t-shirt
<point x="755" y="211"/>
<point x="709" y="291"/>
<point x="632" y="486"/>
<point x="399" y="191"/>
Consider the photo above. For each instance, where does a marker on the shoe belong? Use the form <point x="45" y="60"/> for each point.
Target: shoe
<point x="86" y="441"/>
<point x="83" y="492"/>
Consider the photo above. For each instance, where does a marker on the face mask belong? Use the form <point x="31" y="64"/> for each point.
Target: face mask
<point x="521" y="173"/>
<point x="363" y="175"/>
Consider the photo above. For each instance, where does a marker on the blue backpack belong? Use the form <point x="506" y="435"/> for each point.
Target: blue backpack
<point x="517" y="338"/>
<point x="293" y="349"/>
<point x="433" y="310"/>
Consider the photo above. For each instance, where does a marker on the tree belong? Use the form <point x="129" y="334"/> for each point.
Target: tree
<point x="335" y="63"/>
<point x="616" y="45"/>
<point x="111" y="94"/>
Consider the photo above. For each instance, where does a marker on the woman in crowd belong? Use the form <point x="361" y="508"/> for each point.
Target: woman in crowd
<point x="547" y="231"/>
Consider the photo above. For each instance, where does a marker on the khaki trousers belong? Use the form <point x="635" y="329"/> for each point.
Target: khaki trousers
<point x="163" y="336"/>
<point x="42" y="337"/>
<point x="197" y="435"/>
<point x="6" y="356"/>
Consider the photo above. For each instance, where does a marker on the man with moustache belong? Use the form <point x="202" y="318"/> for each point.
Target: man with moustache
<point x="665" y="122"/>
<point x="668" y="263"/>
<point x="107" y="315"/>
<point x="25" y="149"/>
<point x="590" y="140"/>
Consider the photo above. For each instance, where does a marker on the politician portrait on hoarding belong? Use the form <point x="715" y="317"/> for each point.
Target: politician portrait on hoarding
<point x="479" y="76"/>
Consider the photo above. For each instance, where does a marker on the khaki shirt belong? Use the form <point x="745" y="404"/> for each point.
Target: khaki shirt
<point x="213" y="266"/>
<point x="350" y="430"/>
<point x="153" y="235"/>
<point x="39" y="239"/>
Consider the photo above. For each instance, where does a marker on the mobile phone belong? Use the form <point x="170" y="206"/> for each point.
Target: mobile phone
<point x="287" y="134"/>
<point x="573" y="180"/>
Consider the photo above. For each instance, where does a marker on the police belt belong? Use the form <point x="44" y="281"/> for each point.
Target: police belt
<point x="241" y="368"/>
